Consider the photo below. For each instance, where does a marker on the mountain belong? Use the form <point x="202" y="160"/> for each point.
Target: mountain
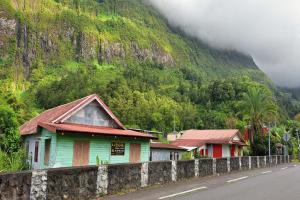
<point x="54" y="51"/>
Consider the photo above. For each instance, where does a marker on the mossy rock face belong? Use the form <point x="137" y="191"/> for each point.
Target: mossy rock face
<point x="57" y="51"/>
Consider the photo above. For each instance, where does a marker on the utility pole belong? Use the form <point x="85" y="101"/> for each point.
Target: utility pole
<point x="297" y="132"/>
<point x="269" y="139"/>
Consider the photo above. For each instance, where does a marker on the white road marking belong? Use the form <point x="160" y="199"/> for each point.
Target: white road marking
<point x="266" y="172"/>
<point x="237" y="179"/>
<point x="295" y="165"/>
<point x="184" y="192"/>
<point x="284" y="168"/>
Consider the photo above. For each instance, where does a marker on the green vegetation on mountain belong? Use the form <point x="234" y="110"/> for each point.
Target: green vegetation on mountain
<point x="148" y="72"/>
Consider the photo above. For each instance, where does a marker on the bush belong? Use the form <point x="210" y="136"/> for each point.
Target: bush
<point x="13" y="162"/>
<point x="186" y="156"/>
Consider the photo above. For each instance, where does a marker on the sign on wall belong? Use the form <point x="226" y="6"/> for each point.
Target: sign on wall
<point x="117" y="149"/>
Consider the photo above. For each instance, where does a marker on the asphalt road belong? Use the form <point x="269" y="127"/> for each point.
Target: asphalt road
<point x="277" y="183"/>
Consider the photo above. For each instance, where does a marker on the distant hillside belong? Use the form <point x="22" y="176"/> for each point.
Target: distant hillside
<point x="106" y="32"/>
<point x="54" y="51"/>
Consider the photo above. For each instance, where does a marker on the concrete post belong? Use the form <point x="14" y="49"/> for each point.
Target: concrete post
<point x="276" y="161"/>
<point x="240" y="163"/>
<point x="214" y="166"/>
<point x="228" y="164"/>
<point x="196" y="167"/>
<point x="38" y="188"/>
<point x="144" y="174"/>
<point x="249" y="162"/>
<point x="288" y="158"/>
<point x="258" y="165"/>
<point x="174" y="170"/>
<point x="265" y="161"/>
<point x="102" y="180"/>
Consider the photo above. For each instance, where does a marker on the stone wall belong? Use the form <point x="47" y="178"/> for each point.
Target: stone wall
<point x="72" y="183"/>
<point x="268" y="161"/>
<point x="185" y="169"/>
<point x="234" y="164"/>
<point x="245" y="163"/>
<point x="91" y="182"/>
<point x="221" y="165"/>
<point x="254" y="162"/>
<point x="262" y="162"/>
<point x="279" y="159"/>
<point x="205" y="167"/>
<point x="123" y="177"/>
<point x="159" y="172"/>
<point x="15" y="185"/>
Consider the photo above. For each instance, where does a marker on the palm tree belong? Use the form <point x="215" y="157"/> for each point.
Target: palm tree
<point x="258" y="108"/>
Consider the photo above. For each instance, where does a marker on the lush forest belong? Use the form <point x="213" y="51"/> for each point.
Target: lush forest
<point x="148" y="72"/>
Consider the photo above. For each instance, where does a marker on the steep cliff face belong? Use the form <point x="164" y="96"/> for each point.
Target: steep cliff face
<point x="109" y="32"/>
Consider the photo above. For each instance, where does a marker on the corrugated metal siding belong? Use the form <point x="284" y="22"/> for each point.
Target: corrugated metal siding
<point x="160" y="154"/>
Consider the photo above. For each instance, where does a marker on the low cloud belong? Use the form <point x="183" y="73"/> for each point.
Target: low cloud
<point x="268" y="30"/>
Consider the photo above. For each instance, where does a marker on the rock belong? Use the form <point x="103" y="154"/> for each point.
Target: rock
<point x="7" y="26"/>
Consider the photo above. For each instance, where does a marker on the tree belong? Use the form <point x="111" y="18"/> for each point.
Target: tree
<point x="9" y="130"/>
<point x="257" y="108"/>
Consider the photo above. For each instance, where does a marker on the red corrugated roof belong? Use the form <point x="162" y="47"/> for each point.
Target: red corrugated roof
<point x="88" y="129"/>
<point x="193" y="138"/>
<point x="165" y="146"/>
<point x="188" y="143"/>
<point x="60" y="113"/>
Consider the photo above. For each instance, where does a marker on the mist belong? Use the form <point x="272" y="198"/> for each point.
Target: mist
<point x="268" y="30"/>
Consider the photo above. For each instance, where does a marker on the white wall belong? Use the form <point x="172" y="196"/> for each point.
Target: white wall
<point x="225" y="150"/>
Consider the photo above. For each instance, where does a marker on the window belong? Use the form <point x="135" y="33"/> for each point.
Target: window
<point x="176" y="156"/>
<point x="47" y="151"/>
<point x="171" y="155"/>
<point x="36" y="151"/>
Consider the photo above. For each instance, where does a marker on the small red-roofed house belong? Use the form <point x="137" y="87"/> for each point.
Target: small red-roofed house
<point x="212" y="143"/>
<point x="80" y="133"/>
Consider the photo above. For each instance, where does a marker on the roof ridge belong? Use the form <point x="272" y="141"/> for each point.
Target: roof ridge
<point x="50" y="109"/>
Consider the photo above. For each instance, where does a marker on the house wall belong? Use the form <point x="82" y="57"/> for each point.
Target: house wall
<point x="163" y="154"/>
<point x="30" y="140"/>
<point x="92" y="114"/>
<point x="225" y="151"/>
<point x="99" y="146"/>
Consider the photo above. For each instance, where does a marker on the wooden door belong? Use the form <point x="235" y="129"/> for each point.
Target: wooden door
<point x="135" y="153"/>
<point x="81" y="153"/>
<point x="217" y="151"/>
<point x="232" y="151"/>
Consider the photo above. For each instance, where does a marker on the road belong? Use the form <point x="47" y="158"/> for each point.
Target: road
<point x="277" y="183"/>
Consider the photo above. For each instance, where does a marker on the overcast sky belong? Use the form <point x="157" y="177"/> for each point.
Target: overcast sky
<point x="268" y="30"/>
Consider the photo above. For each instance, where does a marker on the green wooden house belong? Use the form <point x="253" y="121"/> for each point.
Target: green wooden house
<point x="80" y="133"/>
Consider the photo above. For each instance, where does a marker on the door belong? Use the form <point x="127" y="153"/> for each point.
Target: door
<point x="135" y="153"/>
<point x="47" y="152"/>
<point x="232" y="151"/>
<point x="217" y="151"/>
<point x="81" y="153"/>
